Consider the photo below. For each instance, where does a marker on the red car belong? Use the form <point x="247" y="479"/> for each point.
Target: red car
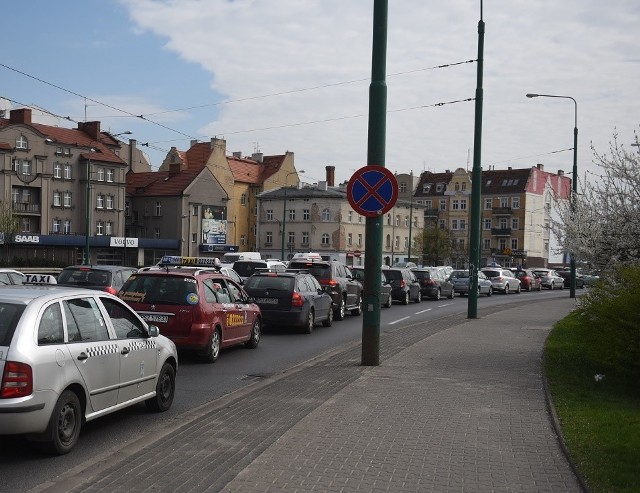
<point x="528" y="280"/>
<point x="194" y="305"/>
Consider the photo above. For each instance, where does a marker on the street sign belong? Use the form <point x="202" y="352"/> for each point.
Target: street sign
<point x="357" y="253"/>
<point x="372" y="191"/>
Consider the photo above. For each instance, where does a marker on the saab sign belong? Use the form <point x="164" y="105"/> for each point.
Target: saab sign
<point x="26" y="239"/>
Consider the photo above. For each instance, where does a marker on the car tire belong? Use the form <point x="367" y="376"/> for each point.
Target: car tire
<point x="562" y="286"/>
<point x="506" y="289"/>
<point x="437" y="296"/>
<point x="254" y="337"/>
<point x="358" y="311"/>
<point x="419" y="296"/>
<point x="328" y="322"/>
<point x="529" y="288"/>
<point x="405" y="301"/>
<point x="518" y="289"/>
<point x="551" y="287"/>
<point x="339" y="313"/>
<point x="311" y="322"/>
<point x="212" y="351"/>
<point x="540" y="287"/>
<point x="452" y="294"/>
<point x="165" y="390"/>
<point x="490" y="291"/>
<point x="64" y="425"/>
<point x="389" y="301"/>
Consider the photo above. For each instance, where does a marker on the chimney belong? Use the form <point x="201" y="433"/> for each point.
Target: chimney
<point x="331" y="174"/>
<point x="560" y="172"/>
<point x="22" y="115"/>
<point x="540" y="166"/>
<point x="92" y="129"/>
<point x="237" y="154"/>
<point x="257" y="156"/>
<point x="509" y="168"/>
<point x="174" y="169"/>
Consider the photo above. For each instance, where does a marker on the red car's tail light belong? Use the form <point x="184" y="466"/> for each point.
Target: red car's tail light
<point x="110" y="290"/>
<point x="296" y="299"/>
<point x="329" y="282"/>
<point x="17" y="380"/>
<point x="402" y="283"/>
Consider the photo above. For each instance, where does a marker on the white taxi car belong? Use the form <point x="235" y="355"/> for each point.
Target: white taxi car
<point x="70" y="355"/>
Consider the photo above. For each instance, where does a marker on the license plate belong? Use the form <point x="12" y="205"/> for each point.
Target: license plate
<point x="267" y="301"/>
<point x="162" y="319"/>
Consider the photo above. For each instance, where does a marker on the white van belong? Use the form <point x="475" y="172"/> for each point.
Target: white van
<point x="230" y="258"/>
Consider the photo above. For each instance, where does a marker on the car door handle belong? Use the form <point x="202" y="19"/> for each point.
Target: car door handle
<point x="125" y="350"/>
<point x="82" y="356"/>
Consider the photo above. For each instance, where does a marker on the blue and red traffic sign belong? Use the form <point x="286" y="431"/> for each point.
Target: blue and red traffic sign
<point x="372" y="191"/>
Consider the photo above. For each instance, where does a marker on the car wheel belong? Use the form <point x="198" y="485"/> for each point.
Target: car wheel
<point x="212" y="351"/>
<point x="165" y="390"/>
<point x="389" y="301"/>
<point x="339" y="312"/>
<point x="552" y="287"/>
<point x="254" y="337"/>
<point x="452" y="294"/>
<point x="540" y="287"/>
<point x="311" y="322"/>
<point x="64" y="424"/>
<point x="506" y="289"/>
<point x="358" y="311"/>
<point x="518" y="289"/>
<point x="405" y="301"/>
<point x="529" y="288"/>
<point x="437" y="296"/>
<point x="328" y="322"/>
<point x="490" y="292"/>
<point x="418" y="296"/>
<point x="562" y="286"/>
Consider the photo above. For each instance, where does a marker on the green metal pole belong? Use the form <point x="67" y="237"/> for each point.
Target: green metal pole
<point x="476" y="183"/>
<point x="410" y="218"/>
<point x="87" y="226"/>
<point x="574" y="196"/>
<point x="375" y="156"/>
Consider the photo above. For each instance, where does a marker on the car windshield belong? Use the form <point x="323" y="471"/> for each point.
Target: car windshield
<point x="422" y="274"/>
<point x="163" y="290"/>
<point x="392" y="275"/>
<point x="9" y="315"/>
<point x="460" y="274"/>
<point x="319" y="271"/>
<point x="492" y="273"/>
<point x="284" y="283"/>
<point x="358" y="274"/>
<point x="82" y="276"/>
<point x="246" y="269"/>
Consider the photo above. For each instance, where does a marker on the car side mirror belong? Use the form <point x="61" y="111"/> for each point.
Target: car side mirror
<point x="320" y="290"/>
<point x="154" y="331"/>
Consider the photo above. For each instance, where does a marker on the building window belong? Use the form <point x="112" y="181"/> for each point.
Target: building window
<point x="110" y="202"/>
<point x="397" y="242"/>
<point x="269" y="238"/>
<point x="243" y="239"/>
<point x="514" y="243"/>
<point x="57" y="170"/>
<point x="156" y="233"/>
<point x="388" y="242"/>
<point x="488" y="204"/>
<point x="503" y="223"/>
<point x="100" y="174"/>
<point x="57" y="199"/>
<point x="100" y="201"/>
<point x="406" y="242"/>
<point x="515" y="223"/>
<point x="349" y="239"/>
<point x="306" y="214"/>
<point x="269" y="214"/>
<point x="110" y="175"/>
<point x="22" y="142"/>
<point x="463" y="224"/>
<point x="292" y="237"/>
<point x="67" y="199"/>
<point x="403" y="187"/>
<point x="350" y="216"/>
<point x="108" y="228"/>
<point x="443" y="205"/>
<point x="455" y="205"/>
<point x="406" y="221"/>
<point x="325" y="215"/>
<point x="360" y="218"/>
<point x="443" y="224"/>
<point x="515" y="202"/>
<point x="388" y="219"/>
<point x="26" y="225"/>
<point x="464" y="186"/>
<point x="66" y="227"/>
<point x="502" y="244"/>
<point x="100" y="228"/>
<point x="456" y="187"/>
<point x="463" y="204"/>
<point x="504" y="201"/>
<point x="487" y="224"/>
<point x="454" y="224"/>
<point x="305" y="237"/>
<point x="158" y="209"/>
<point x="325" y="239"/>
<point x="461" y="243"/>
<point x="397" y="219"/>
<point x="67" y="172"/>
<point x="56" y="226"/>
<point x="426" y="188"/>
<point x="487" y="243"/>
<point x="243" y="199"/>
<point x="194" y="237"/>
<point x="359" y="239"/>
<point x="292" y="215"/>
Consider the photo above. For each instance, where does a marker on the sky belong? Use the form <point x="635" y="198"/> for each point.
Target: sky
<point x="273" y="76"/>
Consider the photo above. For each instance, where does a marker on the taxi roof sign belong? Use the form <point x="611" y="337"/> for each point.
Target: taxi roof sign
<point x="180" y="261"/>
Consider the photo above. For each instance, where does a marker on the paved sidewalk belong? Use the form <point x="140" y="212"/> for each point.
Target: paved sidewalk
<point x="456" y="405"/>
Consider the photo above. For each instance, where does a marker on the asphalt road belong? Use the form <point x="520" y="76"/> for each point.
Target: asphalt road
<point x="23" y="468"/>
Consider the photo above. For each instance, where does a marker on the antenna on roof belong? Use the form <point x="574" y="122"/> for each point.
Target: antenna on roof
<point x="468" y="157"/>
<point x="256" y="146"/>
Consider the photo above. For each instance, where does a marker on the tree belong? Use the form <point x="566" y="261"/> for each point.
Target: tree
<point x="602" y="227"/>
<point x="9" y="225"/>
<point x="436" y="245"/>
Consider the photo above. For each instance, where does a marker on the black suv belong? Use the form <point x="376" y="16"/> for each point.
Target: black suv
<point x="337" y="280"/>
<point x="404" y="285"/>
<point x="109" y="278"/>
<point x="291" y="298"/>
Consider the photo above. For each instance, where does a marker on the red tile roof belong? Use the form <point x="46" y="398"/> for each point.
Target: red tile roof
<point x="161" y="183"/>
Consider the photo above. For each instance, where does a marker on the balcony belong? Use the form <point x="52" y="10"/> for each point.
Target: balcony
<point x="26" y="208"/>
<point x="431" y="212"/>
<point x="500" y="231"/>
<point x="502" y="211"/>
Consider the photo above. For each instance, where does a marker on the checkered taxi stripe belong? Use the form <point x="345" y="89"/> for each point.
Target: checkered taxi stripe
<point x="102" y="350"/>
<point x="139" y="345"/>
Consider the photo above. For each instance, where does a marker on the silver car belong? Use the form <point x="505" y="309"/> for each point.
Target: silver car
<point x="549" y="278"/>
<point x="460" y="280"/>
<point x="502" y="280"/>
<point x="70" y="355"/>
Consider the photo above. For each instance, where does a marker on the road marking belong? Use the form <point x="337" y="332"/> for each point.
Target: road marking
<point x="446" y="304"/>
<point x="399" y="320"/>
<point x="422" y="311"/>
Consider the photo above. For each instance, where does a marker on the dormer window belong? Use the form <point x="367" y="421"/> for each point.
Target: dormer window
<point x="22" y="142"/>
<point x="439" y="187"/>
<point x="426" y="188"/>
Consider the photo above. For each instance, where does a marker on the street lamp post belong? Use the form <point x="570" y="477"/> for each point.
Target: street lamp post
<point x="87" y="225"/>
<point x="574" y="194"/>
<point x="284" y="210"/>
